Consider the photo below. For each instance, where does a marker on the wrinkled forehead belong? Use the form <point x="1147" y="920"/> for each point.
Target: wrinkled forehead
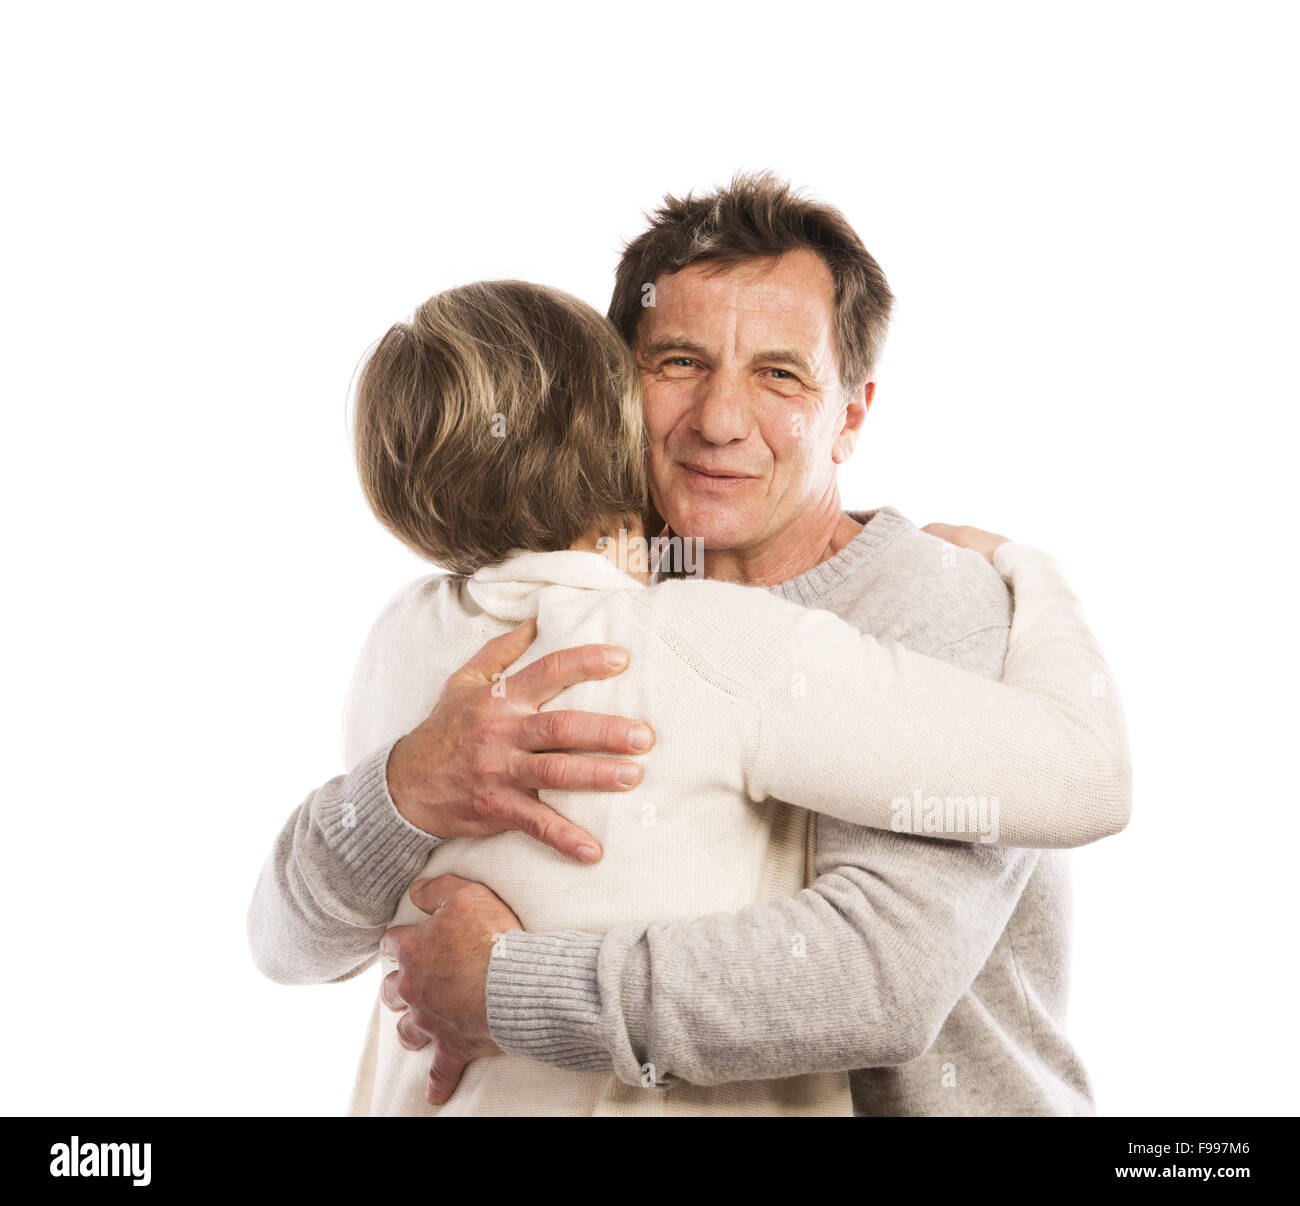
<point x="788" y="300"/>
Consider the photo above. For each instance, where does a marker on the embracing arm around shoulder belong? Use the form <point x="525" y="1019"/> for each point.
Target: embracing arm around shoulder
<point x="878" y="735"/>
<point x="895" y="927"/>
<point x="894" y="930"/>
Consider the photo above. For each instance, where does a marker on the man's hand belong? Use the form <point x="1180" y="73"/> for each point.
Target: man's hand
<point x="473" y="767"/>
<point x="982" y="542"/>
<point x="441" y="976"/>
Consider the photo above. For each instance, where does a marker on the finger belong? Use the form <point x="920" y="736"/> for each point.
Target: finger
<point x="945" y="531"/>
<point x="388" y="991"/>
<point x="577" y="772"/>
<point x="542" y="822"/>
<point x="389" y="943"/>
<point x="409" y="1034"/>
<point x="561" y="730"/>
<point x="444" y="1076"/>
<point x="506" y="809"/>
<point x="430" y="895"/>
<point x="546" y="677"/>
<point x="500" y="653"/>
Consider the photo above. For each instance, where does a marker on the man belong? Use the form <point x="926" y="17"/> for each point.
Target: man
<point x="936" y="970"/>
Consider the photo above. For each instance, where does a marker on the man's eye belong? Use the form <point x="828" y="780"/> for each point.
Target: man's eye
<point x="681" y="362"/>
<point x="782" y="376"/>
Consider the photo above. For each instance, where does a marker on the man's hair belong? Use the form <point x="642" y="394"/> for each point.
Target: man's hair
<point x="504" y="416"/>
<point x="757" y="216"/>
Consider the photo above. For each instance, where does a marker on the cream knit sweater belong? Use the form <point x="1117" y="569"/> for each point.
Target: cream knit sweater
<point x="753" y="700"/>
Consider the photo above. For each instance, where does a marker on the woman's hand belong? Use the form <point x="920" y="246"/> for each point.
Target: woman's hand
<point x="982" y="542"/>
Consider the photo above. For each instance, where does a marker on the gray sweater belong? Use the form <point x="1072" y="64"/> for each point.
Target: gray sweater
<point x="949" y="994"/>
<point x="949" y="973"/>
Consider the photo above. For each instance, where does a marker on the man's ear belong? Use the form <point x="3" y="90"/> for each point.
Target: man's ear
<point x="856" y="406"/>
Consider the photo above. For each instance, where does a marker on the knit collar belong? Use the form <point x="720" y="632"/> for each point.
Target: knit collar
<point x="510" y="588"/>
<point x="808" y="588"/>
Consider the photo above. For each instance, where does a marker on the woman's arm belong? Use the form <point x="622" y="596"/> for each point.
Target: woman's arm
<point x="877" y="735"/>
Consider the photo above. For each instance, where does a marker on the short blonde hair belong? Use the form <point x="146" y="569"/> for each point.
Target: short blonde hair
<point x="504" y="416"/>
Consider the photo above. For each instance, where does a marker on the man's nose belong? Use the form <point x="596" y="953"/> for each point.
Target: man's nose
<point x="721" y="412"/>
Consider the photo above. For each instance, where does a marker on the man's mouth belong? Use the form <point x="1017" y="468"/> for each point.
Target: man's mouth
<point x="706" y="475"/>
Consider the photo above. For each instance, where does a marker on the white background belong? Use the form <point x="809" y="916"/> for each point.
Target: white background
<point x="1088" y="214"/>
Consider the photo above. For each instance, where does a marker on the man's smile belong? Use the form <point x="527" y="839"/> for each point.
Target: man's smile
<point x="709" y="478"/>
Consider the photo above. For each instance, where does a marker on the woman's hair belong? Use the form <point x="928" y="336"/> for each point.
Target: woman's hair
<point x="503" y="416"/>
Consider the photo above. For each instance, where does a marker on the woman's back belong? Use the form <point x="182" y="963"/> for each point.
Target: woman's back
<point x="687" y="842"/>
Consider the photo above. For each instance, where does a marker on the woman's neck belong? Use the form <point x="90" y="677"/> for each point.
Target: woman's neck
<point x="612" y="542"/>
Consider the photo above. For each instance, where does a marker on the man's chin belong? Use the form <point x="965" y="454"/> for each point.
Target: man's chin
<point x="717" y="532"/>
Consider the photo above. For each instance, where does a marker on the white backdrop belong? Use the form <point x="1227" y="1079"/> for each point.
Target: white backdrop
<point x="209" y="212"/>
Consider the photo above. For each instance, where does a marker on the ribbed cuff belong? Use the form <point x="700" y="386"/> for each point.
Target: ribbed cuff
<point x="543" y="998"/>
<point x="382" y="850"/>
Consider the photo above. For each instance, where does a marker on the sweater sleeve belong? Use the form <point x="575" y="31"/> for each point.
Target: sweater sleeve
<point x="894" y="929"/>
<point x="334" y="878"/>
<point x="878" y="735"/>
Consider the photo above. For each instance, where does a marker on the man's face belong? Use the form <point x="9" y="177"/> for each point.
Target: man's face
<point x="743" y="404"/>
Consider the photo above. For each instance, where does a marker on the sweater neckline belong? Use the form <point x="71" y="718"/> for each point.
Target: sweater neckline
<point x="509" y="589"/>
<point x="880" y="528"/>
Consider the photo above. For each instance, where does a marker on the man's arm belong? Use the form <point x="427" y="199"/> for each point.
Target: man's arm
<point x="895" y="929"/>
<point x="334" y="878"/>
<point x="860" y="970"/>
<point x="337" y="870"/>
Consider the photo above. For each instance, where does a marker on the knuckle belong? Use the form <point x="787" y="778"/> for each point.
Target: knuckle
<point x="406" y="948"/>
<point x="544" y="828"/>
<point x="448" y="892"/>
<point x="484" y="760"/>
<point x="490" y="805"/>
<point x="446" y="1064"/>
<point x="550" y="769"/>
<point x="562" y="729"/>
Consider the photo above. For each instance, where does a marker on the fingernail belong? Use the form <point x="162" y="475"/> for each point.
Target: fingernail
<point x="588" y="854"/>
<point x="615" y="658"/>
<point x="419" y="883"/>
<point x="640" y="737"/>
<point x="628" y="774"/>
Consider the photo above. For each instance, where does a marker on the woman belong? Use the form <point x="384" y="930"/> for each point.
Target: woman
<point x="516" y="407"/>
